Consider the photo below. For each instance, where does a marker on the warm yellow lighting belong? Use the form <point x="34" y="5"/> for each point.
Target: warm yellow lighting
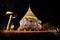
<point x="9" y="12"/>
<point x="32" y="17"/>
<point x="9" y="22"/>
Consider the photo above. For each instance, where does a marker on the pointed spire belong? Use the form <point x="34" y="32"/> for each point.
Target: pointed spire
<point x="29" y="9"/>
<point x="30" y="14"/>
<point x="29" y="4"/>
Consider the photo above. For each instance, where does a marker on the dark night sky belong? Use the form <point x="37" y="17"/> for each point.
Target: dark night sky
<point x="47" y="11"/>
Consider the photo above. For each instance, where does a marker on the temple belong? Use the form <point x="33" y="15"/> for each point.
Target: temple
<point x="30" y="21"/>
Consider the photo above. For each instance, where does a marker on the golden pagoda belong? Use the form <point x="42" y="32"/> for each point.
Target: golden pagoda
<point x="30" y="21"/>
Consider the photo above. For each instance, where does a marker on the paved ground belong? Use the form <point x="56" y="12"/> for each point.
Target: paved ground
<point x="29" y="36"/>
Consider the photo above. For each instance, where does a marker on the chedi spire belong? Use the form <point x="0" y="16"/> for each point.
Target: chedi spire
<point x="30" y="21"/>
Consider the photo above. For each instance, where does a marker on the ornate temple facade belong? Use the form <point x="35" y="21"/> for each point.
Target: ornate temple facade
<point x="30" y="22"/>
